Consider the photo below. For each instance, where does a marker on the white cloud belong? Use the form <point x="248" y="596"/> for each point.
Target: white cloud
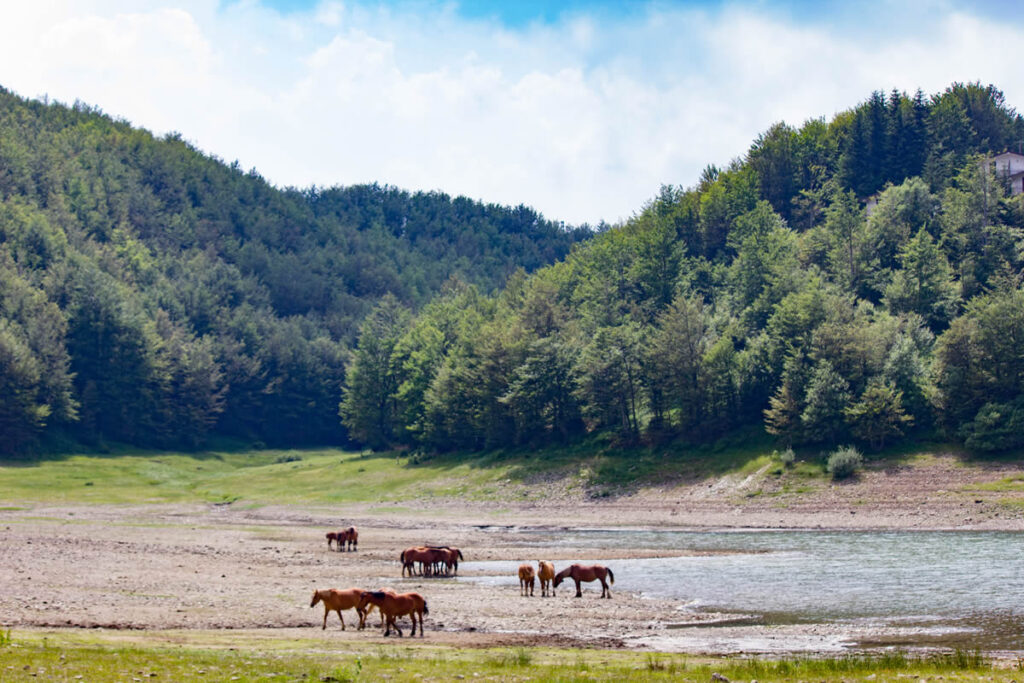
<point x="583" y="119"/>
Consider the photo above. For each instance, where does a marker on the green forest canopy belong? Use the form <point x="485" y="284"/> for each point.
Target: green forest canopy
<point x="766" y="296"/>
<point x="155" y="296"/>
<point x="152" y="295"/>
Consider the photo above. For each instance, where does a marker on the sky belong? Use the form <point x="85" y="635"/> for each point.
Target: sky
<point x="581" y="110"/>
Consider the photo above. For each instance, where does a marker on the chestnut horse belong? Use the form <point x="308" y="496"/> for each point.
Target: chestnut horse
<point x="451" y="558"/>
<point x="336" y="600"/>
<point x="526" y="579"/>
<point x="546" y="574"/>
<point x="430" y="558"/>
<point x="393" y="605"/>
<point x="596" y="572"/>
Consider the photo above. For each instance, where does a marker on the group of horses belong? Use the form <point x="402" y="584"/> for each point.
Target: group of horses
<point x="432" y="560"/>
<point x="346" y="539"/>
<point x="437" y="560"/>
<point x="391" y="605"/>
<point x="549" y="580"/>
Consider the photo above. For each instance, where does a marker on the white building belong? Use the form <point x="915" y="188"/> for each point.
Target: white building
<point x="1009" y="165"/>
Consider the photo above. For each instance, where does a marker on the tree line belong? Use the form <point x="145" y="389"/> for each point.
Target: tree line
<point x="154" y="295"/>
<point x="765" y="296"/>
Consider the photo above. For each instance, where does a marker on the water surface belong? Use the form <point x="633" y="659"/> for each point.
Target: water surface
<point x="958" y="588"/>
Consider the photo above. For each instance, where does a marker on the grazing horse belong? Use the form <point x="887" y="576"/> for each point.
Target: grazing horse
<point x="336" y="600"/>
<point x="546" y="574"/>
<point x="332" y="536"/>
<point x="392" y="606"/>
<point x="526" y="579"/>
<point x="594" y="572"/>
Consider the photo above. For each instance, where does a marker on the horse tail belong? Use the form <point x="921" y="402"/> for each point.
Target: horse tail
<point x="425" y="610"/>
<point x="611" y="577"/>
<point x="460" y="554"/>
<point x="401" y="558"/>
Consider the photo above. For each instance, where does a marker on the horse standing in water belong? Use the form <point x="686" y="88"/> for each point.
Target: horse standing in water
<point x="595" y="572"/>
<point x="546" y="574"/>
<point x="526" y="579"/>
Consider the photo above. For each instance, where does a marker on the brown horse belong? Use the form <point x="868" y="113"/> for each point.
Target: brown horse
<point x="526" y="579"/>
<point x="580" y="573"/>
<point x="332" y="536"/>
<point x="369" y="608"/>
<point x="430" y="560"/>
<point x="410" y="556"/>
<point x="336" y="600"/>
<point x="546" y="574"/>
<point x="348" y="539"/>
<point x="393" y="605"/>
<point x="450" y="558"/>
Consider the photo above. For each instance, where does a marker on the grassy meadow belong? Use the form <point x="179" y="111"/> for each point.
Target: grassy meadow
<point x="248" y="656"/>
<point x="331" y="476"/>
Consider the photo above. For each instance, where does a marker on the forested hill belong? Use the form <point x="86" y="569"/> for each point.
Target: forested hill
<point x="151" y="294"/>
<point x="850" y="281"/>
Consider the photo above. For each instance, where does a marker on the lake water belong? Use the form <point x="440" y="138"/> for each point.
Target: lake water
<point x="969" y="584"/>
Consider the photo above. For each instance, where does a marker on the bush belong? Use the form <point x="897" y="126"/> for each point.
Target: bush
<point x="788" y="458"/>
<point x="844" y="462"/>
<point x="996" y="427"/>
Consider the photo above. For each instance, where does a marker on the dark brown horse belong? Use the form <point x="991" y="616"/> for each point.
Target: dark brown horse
<point x="348" y="539"/>
<point x="393" y="606"/>
<point x="595" y="572"/>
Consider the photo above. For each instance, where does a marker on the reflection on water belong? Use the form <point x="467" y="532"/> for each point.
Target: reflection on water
<point x="960" y="588"/>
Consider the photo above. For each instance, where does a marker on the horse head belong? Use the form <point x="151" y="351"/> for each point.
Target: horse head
<point x="560" y="576"/>
<point x="316" y="598"/>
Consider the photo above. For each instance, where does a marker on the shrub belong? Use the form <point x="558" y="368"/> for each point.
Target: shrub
<point x="996" y="427"/>
<point x="788" y="458"/>
<point x="844" y="462"/>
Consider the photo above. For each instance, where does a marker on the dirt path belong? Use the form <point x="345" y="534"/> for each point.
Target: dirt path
<point x="227" y="567"/>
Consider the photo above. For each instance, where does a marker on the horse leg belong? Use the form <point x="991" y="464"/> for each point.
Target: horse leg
<point x="579" y="592"/>
<point x="326" y="612"/>
<point x="342" y="619"/>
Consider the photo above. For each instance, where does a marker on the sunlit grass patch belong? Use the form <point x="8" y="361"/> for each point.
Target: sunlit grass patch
<point x="258" y="656"/>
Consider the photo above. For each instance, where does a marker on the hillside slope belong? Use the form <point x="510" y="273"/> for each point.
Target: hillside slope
<point x="153" y="295"/>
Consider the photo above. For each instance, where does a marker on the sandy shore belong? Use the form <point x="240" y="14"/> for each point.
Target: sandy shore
<point x="163" y="567"/>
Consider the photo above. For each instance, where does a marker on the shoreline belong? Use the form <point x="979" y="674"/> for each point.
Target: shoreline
<point x="161" y="567"/>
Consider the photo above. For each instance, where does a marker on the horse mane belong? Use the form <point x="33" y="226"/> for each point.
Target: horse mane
<point x="377" y="595"/>
<point x="564" y="573"/>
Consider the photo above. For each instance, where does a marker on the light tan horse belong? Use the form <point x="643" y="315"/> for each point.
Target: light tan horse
<point x="595" y="572"/>
<point x="526" y="579"/>
<point x="336" y="600"/>
<point x="393" y="605"/>
<point x="546" y="574"/>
